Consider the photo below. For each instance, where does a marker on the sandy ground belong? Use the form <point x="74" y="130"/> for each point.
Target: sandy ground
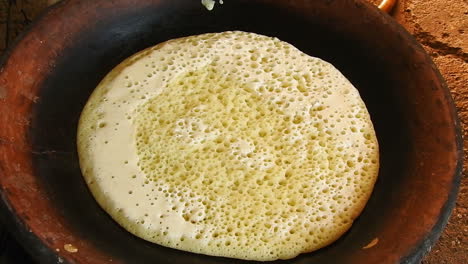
<point x="440" y="25"/>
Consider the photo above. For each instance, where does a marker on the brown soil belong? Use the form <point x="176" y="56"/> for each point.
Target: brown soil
<point x="440" y="26"/>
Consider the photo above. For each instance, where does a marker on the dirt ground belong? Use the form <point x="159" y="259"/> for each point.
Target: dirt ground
<point x="440" y="25"/>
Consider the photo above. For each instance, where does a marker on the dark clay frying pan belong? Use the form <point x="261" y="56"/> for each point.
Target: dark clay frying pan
<point x="48" y="75"/>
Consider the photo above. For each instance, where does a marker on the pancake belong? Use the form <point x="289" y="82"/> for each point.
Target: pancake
<point x="229" y="144"/>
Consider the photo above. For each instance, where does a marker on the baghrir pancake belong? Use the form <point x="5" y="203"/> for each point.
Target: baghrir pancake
<point x="229" y="144"/>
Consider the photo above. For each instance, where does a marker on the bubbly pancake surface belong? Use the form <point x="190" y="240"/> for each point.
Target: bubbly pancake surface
<point x="229" y="144"/>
